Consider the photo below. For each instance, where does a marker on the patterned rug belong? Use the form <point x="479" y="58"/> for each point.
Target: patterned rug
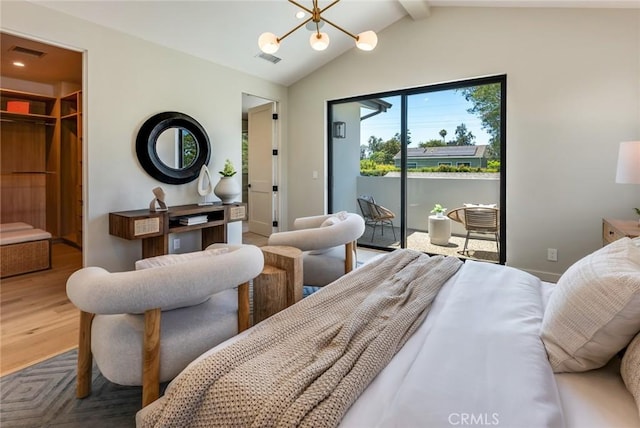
<point x="43" y="395"/>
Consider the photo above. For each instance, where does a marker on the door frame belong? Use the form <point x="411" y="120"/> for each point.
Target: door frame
<point x="404" y="93"/>
<point x="251" y="101"/>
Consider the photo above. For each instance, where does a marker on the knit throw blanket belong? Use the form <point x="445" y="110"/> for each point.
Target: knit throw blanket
<point x="306" y="365"/>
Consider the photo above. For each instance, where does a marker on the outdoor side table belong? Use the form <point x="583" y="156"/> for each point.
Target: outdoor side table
<point x="439" y="230"/>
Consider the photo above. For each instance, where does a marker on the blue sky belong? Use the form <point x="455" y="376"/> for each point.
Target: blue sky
<point x="428" y="114"/>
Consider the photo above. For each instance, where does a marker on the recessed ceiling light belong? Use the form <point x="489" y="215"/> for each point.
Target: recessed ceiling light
<point x="300" y="14"/>
<point x="18" y="63"/>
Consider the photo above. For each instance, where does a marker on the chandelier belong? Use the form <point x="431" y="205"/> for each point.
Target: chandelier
<point x="269" y="43"/>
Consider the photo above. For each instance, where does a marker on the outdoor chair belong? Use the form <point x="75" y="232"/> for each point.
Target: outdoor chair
<point x="375" y="214"/>
<point x="478" y="219"/>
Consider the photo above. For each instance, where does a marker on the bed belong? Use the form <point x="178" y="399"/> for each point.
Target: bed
<point x="486" y="354"/>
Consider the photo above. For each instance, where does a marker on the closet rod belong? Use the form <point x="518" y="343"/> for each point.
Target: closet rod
<point x="35" y="122"/>
<point x="33" y="172"/>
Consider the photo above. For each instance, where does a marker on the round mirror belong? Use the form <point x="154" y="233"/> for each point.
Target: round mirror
<point x="177" y="148"/>
<point x="172" y="147"/>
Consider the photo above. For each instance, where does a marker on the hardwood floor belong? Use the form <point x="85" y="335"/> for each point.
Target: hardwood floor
<point x="36" y="318"/>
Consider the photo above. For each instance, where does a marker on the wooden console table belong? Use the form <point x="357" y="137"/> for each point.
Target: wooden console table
<point x="153" y="228"/>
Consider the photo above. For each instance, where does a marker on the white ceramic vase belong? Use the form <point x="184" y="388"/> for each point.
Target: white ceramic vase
<point x="227" y="189"/>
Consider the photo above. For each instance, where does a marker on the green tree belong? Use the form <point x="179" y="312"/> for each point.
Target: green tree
<point x="432" y="143"/>
<point x="443" y="133"/>
<point x="363" y="151"/>
<point x="463" y="136"/>
<point x="374" y="144"/>
<point x="486" y="105"/>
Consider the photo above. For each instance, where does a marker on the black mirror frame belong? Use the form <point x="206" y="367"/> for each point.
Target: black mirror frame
<point x="148" y="155"/>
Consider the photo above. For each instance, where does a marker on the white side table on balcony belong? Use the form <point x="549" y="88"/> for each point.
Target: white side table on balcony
<point x="439" y="230"/>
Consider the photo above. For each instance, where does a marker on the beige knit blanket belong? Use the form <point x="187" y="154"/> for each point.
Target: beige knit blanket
<point x="306" y="365"/>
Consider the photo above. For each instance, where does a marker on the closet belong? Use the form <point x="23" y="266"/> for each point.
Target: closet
<point x="41" y="167"/>
<point x="41" y="139"/>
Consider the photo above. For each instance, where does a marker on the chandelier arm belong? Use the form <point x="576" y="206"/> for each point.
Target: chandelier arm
<point x="327" y="7"/>
<point x="279" y="39"/>
<point x="309" y="11"/>
<point x="340" y="28"/>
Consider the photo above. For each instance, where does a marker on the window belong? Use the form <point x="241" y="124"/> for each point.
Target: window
<point x="412" y="149"/>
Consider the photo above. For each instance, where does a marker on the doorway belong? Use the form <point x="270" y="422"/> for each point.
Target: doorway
<point x="42" y="97"/>
<point x="404" y="159"/>
<point x="41" y="180"/>
<point x="259" y="164"/>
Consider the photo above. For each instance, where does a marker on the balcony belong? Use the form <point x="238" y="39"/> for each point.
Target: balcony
<point x="424" y="190"/>
<point x="478" y="248"/>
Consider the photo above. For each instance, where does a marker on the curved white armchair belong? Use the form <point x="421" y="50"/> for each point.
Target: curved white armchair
<point x="322" y="238"/>
<point x="192" y="296"/>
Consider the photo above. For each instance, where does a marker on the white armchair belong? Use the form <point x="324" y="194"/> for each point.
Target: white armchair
<point x="328" y="243"/>
<point x="193" y="296"/>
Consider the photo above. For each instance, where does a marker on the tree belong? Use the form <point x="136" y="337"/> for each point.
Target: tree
<point x="443" y="133"/>
<point x="386" y="150"/>
<point x="374" y="144"/>
<point x="432" y="143"/>
<point x="363" y="151"/>
<point x="486" y="105"/>
<point x="464" y="137"/>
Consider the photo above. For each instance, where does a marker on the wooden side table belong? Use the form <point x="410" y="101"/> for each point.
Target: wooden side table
<point x="613" y="229"/>
<point x="280" y="283"/>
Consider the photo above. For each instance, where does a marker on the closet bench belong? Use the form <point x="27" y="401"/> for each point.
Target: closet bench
<point x="24" y="250"/>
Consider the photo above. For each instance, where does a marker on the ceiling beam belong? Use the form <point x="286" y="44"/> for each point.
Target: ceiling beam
<point x="417" y="9"/>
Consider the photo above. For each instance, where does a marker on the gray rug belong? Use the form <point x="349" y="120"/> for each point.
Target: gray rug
<point x="43" y="395"/>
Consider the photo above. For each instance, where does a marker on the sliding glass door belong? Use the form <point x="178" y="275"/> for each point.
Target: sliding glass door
<point x="406" y="159"/>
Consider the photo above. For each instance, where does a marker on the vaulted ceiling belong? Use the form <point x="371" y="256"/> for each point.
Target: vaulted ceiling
<point x="226" y="32"/>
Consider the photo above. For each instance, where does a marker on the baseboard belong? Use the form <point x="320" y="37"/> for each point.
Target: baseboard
<point x="544" y="276"/>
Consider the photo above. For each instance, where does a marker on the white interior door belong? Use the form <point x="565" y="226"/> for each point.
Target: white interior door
<point x="260" y="154"/>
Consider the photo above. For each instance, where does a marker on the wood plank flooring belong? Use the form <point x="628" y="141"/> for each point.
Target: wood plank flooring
<point x="37" y="320"/>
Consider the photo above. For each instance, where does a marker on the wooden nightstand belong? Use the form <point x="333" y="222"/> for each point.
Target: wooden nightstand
<point x="613" y="229"/>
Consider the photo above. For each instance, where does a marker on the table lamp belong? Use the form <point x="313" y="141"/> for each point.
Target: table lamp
<point x="628" y="170"/>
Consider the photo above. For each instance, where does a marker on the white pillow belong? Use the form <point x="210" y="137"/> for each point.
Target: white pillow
<point x="594" y="311"/>
<point x="172" y="259"/>
<point x="341" y="215"/>
<point x="329" y="221"/>
<point x="630" y="369"/>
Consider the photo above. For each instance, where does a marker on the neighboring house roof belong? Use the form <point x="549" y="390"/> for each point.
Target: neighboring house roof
<point x="446" y="152"/>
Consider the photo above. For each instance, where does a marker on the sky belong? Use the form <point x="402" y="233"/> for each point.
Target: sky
<point x="428" y="114"/>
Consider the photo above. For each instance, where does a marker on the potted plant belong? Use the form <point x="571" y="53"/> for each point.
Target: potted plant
<point x="228" y="170"/>
<point x="227" y="188"/>
<point x="438" y="210"/>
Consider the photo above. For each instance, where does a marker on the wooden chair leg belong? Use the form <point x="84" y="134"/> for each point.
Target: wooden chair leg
<point x="349" y="251"/>
<point x="151" y="357"/>
<point x="85" y="359"/>
<point x="243" y="307"/>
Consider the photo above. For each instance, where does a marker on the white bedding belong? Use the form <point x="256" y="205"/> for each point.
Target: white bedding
<point x="478" y="360"/>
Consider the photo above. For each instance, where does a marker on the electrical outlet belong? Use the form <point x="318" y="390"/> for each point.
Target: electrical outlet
<point x="552" y="254"/>
<point x="176" y="244"/>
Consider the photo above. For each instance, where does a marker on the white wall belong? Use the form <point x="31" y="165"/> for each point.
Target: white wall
<point x="346" y="158"/>
<point x="126" y="81"/>
<point x="573" y="93"/>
